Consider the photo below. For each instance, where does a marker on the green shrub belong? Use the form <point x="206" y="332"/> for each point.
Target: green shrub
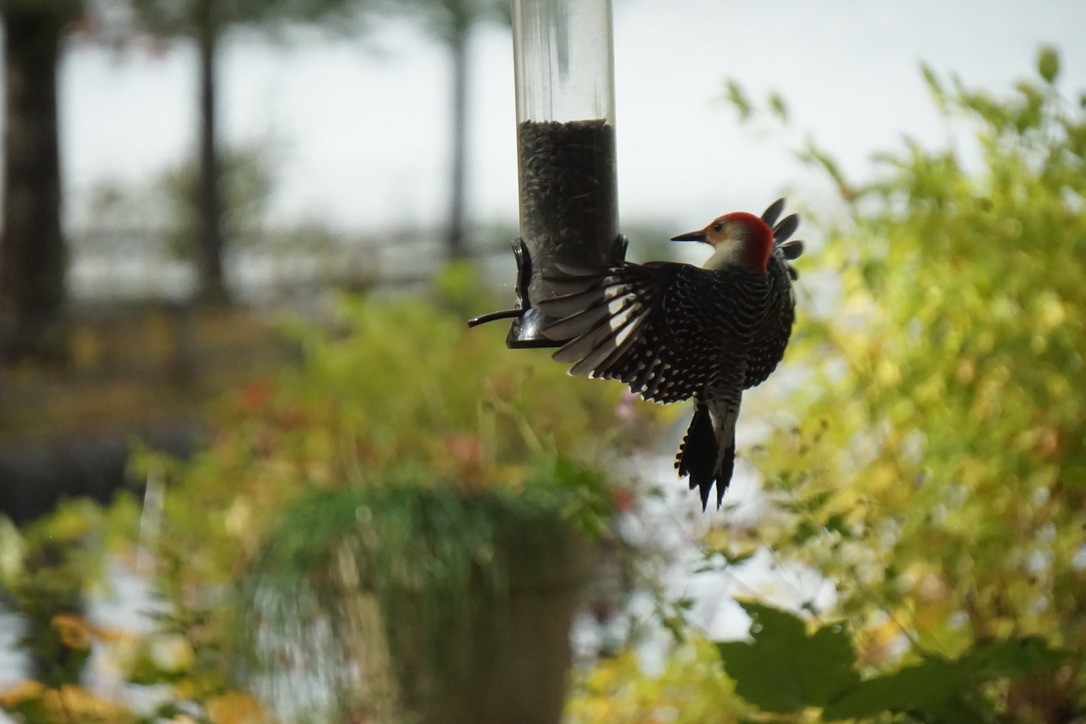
<point x="937" y="474"/>
<point x="392" y="389"/>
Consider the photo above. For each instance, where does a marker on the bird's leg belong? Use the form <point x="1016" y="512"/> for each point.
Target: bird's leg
<point x="524" y="277"/>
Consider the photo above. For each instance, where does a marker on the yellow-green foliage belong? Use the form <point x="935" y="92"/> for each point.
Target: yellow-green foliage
<point x="692" y="688"/>
<point x="395" y="388"/>
<point x="938" y="472"/>
<point x="396" y="384"/>
<point x="43" y="571"/>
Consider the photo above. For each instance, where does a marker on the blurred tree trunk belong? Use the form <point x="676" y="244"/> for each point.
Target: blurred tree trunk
<point x="458" y="44"/>
<point x="32" y="251"/>
<point x="209" y="247"/>
<point x="206" y="22"/>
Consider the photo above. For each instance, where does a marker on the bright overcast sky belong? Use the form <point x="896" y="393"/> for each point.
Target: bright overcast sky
<point x="363" y="128"/>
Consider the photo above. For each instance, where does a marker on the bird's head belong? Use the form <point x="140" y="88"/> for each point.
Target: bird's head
<point x="738" y="239"/>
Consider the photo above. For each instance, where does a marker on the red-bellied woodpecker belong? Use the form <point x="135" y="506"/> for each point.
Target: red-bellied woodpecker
<point x="674" y="331"/>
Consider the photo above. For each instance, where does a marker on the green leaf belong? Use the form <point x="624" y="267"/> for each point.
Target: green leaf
<point x="1012" y="658"/>
<point x="926" y="687"/>
<point x="783" y="669"/>
<point x="837" y="523"/>
<point x="778" y="107"/>
<point x="1048" y="64"/>
<point x="935" y="87"/>
<point x="941" y="688"/>
<point x="735" y="95"/>
<point x="737" y="559"/>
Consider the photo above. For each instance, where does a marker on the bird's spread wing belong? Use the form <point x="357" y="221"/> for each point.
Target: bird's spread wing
<point x="638" y="324"/>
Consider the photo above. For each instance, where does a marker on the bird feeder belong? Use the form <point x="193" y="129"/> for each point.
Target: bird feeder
<point x="564" y="72"/>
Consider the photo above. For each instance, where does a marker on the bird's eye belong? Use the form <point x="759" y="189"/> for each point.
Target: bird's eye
<point x="718" y="226"/>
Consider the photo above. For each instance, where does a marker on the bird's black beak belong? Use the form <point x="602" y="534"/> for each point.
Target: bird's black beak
<point x="691" y="236"/>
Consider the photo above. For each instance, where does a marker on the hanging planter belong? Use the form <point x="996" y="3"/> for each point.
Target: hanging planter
<point x="420" y="602"/>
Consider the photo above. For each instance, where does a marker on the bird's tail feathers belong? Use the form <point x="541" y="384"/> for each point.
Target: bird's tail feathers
<point x="705" y="458"/>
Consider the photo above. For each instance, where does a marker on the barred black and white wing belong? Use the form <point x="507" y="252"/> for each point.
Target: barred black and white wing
<point x="665" y="329"/>
<point x="771" y="336"/>
<point x="770" y="339"/>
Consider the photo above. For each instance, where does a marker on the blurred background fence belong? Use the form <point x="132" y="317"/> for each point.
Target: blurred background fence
<point x="143" y="356"/>
<point x="271" y="270"/>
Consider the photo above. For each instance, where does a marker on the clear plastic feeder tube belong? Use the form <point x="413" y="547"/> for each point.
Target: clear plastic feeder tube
<point x="564" y="69"/>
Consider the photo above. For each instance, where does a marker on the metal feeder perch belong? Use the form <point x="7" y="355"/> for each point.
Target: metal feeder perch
<point x="564" y="70"/>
